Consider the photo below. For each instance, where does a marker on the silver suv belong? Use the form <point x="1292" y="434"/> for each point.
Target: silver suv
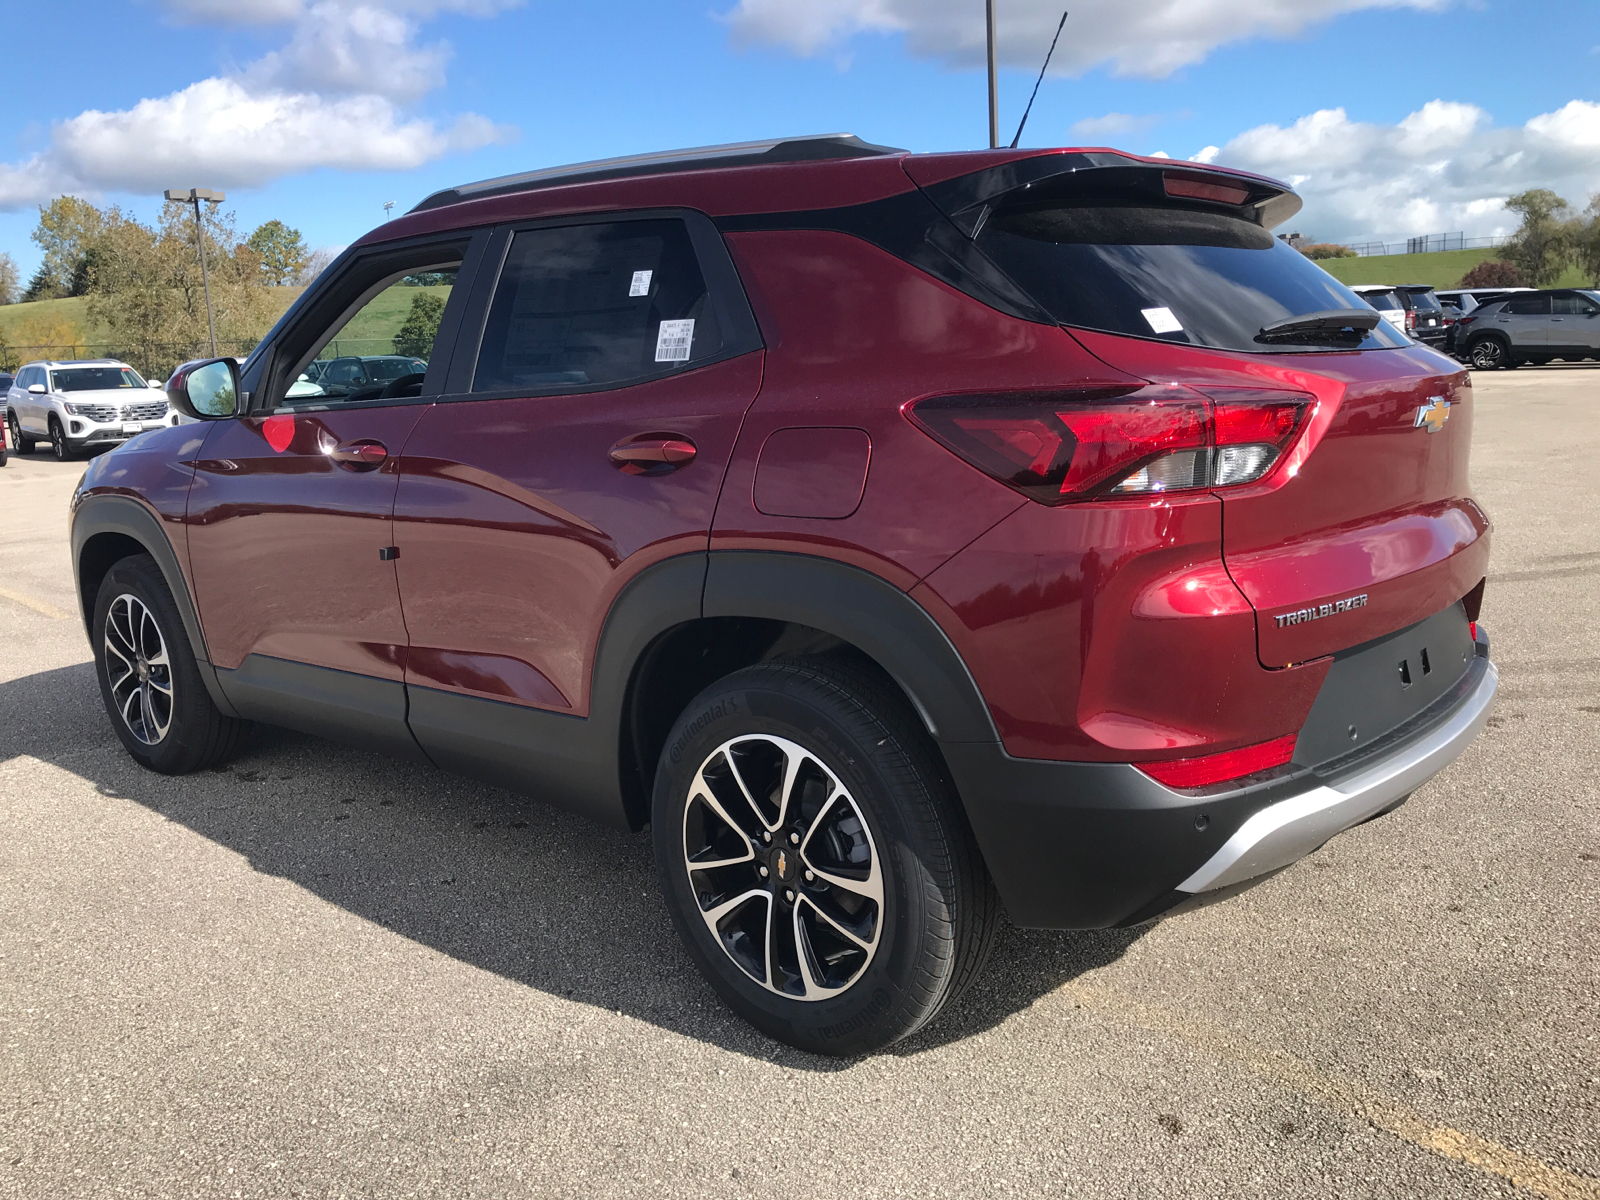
<point x="1531" y="327"/>
<point x="81" y="405"/>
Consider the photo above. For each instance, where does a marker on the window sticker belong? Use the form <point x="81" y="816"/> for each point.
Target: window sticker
<point x="1162" y="321"/>
<point x="673" y="341"/>
<point x="641" y="283"/>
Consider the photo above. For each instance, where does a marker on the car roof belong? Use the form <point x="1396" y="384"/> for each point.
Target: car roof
<point x="53" y="363"/>
<point x="807" y="174"/>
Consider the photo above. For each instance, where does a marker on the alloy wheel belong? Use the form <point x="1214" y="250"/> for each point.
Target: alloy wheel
<point x="138" y="669"/>
<point x="1487" y="354"/>
<point x="783" y="867"/>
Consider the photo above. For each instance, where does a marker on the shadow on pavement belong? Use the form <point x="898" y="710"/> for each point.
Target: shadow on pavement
<point x="493" y="879"/>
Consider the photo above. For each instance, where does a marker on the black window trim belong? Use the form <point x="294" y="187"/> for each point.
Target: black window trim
<point x="740" y="333"/>
<point x="266" y="371"/>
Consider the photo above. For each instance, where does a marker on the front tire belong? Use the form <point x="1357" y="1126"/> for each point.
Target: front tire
<point x="814" y="857"/>
<point x="58" y="441"/>
<point x="149" y="679"/>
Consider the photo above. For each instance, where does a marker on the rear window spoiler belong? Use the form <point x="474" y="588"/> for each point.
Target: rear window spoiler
<point x="969" y="199"/>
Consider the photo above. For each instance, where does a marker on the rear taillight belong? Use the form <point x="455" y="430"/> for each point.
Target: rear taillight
<point x="1060" y="447"/>
<point x="1465" y="320"/>
<point x="1411" y="321"/>
<point x="1218" y="768"/>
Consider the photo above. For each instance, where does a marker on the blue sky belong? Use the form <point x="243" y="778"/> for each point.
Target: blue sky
<point x="1395" y="117"/>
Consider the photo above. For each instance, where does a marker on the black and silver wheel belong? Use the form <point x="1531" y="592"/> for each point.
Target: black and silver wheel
<point x="1488" y="354"/>
<point x="149" y="679"/>
<point x="814" y="858"/>
<point x="58" y="441"/>
<point x="22" y="445"/>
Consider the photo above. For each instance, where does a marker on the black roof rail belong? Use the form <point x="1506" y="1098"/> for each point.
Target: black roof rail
<point x="816" y="147"/>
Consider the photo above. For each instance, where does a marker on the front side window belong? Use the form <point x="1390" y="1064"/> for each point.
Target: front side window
<point x="94" y="379"/>
<point x="381" y="351"/>
<point x="1189" y="275"/>
<point x="599" y="305"/>
<point x="1573" y="304"/>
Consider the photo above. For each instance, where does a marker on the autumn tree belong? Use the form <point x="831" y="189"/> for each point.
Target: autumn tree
<point x="1496" y="273"/>
<point x="282" y="252"/>
<point x="10" y="279"/>
<point x="67" y="228"/>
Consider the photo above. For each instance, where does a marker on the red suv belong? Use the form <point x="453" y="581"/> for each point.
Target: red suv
<point x="898" y="536"/>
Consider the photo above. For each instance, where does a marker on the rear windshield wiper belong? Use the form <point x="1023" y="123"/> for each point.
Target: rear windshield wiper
<point x="1329" y="325"/>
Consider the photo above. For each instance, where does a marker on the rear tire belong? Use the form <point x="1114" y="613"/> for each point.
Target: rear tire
<point x="853" y="904"/>
<point x="1488" y="354"/>
<point x="19" y="443"/>
<point x="149" y="680"/>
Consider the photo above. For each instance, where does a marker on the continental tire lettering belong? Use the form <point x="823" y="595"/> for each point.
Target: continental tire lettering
<point x="875" y="1006"/>
<point x="1302" y="615"/>
<point x="715" y="713"/>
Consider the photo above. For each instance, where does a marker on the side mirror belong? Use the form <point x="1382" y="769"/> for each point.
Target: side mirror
<point x="154" y="383"/>
<point x="207" y="390"/>
<point x="36" y="389"/>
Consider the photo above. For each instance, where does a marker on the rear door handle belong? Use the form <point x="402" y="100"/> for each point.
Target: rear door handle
<point x="365" y="455"/>
<point x="653" y="453"/>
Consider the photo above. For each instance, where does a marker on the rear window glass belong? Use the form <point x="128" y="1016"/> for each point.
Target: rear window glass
<point x="1424" y="302"/>
<point x="596" y="305"/>
<point x="94" y="379"/>
<point x="1196" y="276"/>
<point x="1382" y="301"/>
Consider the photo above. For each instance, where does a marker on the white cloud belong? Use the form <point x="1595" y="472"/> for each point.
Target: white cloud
<point x="1150" y="38"/>
<point x="1112" y="125"/>
<point x="328" y="98"/>
<point x="1445" y="167"/>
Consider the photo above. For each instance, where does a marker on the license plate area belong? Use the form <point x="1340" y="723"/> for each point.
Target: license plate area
<point x="1376" y="686"/>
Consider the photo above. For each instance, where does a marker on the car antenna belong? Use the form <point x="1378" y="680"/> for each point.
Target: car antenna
<point x="1040" y="80"/>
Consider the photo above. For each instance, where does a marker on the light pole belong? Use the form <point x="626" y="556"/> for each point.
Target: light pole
<point x="387" y="205"/>
<point x="194" y="196"/>
<point x="994" y="86"/>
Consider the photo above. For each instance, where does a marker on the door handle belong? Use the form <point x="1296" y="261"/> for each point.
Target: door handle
<point x="365" y="455"/>
<point x="652" y="453"/>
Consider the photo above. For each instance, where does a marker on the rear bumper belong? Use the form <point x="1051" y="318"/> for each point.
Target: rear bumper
<point x="1092" y="845"/>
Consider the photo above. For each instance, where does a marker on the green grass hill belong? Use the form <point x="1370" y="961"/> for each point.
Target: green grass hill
<point x="1443" y="268"/>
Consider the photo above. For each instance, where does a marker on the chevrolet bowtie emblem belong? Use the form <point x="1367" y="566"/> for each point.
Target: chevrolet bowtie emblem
<point x="783" y="864"/>
<point x="1432" y="415"/>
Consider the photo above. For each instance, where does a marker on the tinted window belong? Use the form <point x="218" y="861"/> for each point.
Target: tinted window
<point x="1573" y="304"/>
<point x="1382" y="301"/>
<point x="1202" y="277"/>
<point x="1424" y="301"/>
<point x="94" y="379"/>
<point x="1528" y="306"/>
<point x="596" y="305"/>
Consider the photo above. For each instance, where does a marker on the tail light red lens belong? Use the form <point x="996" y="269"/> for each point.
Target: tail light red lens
<point x="1218" y="768"/>
<point x="1060" y="447"/>
<point x="1411" y="321"/>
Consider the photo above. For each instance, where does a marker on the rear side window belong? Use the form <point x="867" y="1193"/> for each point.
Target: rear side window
<point x="596" y="305"/>
<point x="1528" y="306"/>
<point x="1191" y="275"/>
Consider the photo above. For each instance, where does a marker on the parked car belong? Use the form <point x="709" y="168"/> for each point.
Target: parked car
<point x="897" y="536"/>
<point x="366" y="376"/>
<point x="80" y="405"/>
<point x="1467" y="299"/>
<point x="1532" y="327"/>
<point x="1411" y="307"/>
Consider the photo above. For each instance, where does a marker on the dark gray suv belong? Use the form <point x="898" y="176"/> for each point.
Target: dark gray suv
<point x="1531" y="327"/>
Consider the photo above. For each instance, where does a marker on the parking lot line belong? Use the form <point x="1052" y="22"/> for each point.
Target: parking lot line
<point x="1527" y="1172"/>
<point x="38" y="606"/>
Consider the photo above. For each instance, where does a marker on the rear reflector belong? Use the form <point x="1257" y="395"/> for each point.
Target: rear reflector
<point x="1215" y="768"/>
<point x="1188" y="187"/>
<point x="1059" y="447"/>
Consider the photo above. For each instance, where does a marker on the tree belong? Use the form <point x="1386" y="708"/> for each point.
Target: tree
<point x="1586" y="241"/>
<point x="1494" y="274"/>
<point x="1542" y="247"/>
<point x="1321" y="250"/>
<point x="421" y="326"/>
<point x="42" y="287"/>
<point x="316" y="264"/>
<point x="67" y="228"/>
<point x="282" y="252"/>
<point x="10" y="279"/>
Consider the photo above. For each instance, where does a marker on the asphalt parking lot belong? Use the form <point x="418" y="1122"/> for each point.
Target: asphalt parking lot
<point x="321" y="973"/>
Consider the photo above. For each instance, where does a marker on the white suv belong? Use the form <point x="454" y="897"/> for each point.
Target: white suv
<point x="77" y="406"/>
